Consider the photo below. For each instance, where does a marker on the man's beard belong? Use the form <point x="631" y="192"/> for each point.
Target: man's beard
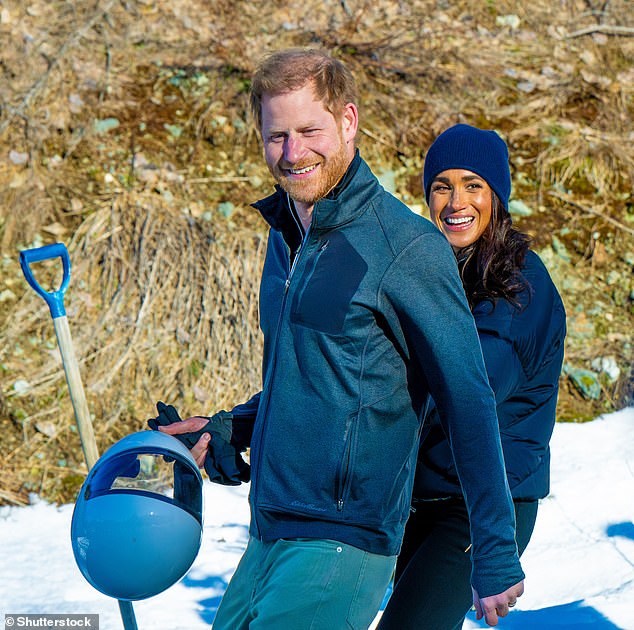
<point x="311" y="190"/>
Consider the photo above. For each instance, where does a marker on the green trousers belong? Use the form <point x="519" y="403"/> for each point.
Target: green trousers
<point x="304" y="584"/>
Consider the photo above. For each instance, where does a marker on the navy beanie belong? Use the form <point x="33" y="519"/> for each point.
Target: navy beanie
<point x="478" y="150"/>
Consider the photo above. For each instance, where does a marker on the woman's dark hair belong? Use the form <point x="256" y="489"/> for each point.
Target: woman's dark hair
<point x="490" y="268"/>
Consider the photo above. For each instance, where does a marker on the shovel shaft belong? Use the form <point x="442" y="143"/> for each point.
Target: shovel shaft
<point x="76" y="389"/>
<point x="55" y="301"/>
<point x="127" y="615"/>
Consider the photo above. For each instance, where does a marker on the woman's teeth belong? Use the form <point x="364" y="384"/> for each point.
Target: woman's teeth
<point x="458" y="220"/>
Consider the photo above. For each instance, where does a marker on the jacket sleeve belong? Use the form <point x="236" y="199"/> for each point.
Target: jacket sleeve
<point x="424" y="290"/>
<point x="243" y="420"/>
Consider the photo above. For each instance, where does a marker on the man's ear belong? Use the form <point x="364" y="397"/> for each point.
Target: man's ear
<point x="349" y="122"/>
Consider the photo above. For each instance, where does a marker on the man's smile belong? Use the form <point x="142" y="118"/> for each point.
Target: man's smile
<point x="303" y="170"/>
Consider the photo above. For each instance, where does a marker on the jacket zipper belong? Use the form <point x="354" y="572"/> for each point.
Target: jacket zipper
<point x="344" y="468"/>
<point x="287" y="284"/>
<point x="304" y="234"/>
<point x="275" y="352"/>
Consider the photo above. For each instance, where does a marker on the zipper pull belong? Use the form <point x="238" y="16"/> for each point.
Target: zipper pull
<point x="339" y="505"/>
<point x="286" y="285"/>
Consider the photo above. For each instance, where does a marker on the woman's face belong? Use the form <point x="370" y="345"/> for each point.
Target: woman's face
<point x="460" y="204"/>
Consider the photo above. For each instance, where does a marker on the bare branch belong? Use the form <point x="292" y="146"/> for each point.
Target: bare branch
<point x="606" y="29"/>
<point x="592" y="211"/>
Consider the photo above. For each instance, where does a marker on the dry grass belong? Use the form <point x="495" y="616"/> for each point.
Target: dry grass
<point x="154" y="208"/>
<point x="160" y="309"/>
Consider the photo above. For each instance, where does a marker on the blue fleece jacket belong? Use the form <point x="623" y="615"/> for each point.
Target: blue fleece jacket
<point x="361" y="323"/>
<point x="523" y="350"/>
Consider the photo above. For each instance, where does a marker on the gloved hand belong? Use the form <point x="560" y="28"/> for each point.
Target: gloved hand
<point x="167" y="415"/>
<point x="223" y="462"/>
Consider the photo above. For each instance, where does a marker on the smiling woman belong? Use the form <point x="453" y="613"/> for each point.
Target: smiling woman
<point x="521" y="324"/>
<point x="467" y="183"/>
<point x="460" y="204"/>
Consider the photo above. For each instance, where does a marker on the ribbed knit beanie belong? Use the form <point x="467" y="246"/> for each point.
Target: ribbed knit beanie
<point x="478" y="150"/>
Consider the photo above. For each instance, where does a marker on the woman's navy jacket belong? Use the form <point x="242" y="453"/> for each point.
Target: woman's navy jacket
<point x="523" y="351"/>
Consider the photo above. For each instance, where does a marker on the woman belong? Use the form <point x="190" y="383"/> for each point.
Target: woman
<point x="521" y="324"/>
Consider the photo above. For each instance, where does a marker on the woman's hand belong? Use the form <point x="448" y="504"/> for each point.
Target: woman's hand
<point x="496" y="605"/>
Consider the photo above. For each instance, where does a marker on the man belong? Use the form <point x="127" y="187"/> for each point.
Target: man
<point x="364" y="316"/>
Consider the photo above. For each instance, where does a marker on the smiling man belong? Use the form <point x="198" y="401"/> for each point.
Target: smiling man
<point x="306" y="149"/>
<point x="354" y="298"/>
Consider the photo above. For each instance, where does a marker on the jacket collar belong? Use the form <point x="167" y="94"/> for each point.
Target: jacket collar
<point x="346" y="201"/>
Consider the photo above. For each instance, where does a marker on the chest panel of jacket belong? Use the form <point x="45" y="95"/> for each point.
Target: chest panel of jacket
<point x="333" y="274"/>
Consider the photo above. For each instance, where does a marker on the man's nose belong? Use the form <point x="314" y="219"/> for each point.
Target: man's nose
<point x="293" y="149"/>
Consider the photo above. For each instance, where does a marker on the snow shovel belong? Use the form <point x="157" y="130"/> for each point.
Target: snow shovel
<point x="55" y="301"/>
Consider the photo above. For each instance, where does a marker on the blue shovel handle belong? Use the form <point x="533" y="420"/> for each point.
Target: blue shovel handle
<point x="54" y="299"/>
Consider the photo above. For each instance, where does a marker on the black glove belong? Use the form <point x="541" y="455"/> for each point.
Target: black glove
<point x="223" y="462"/>
<point x="167" y="415"/>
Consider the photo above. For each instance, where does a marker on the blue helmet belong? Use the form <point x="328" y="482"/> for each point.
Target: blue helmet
<point x="135" y="532"/>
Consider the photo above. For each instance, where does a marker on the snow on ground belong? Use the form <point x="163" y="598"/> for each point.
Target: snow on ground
<point x="579" y="564"/>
